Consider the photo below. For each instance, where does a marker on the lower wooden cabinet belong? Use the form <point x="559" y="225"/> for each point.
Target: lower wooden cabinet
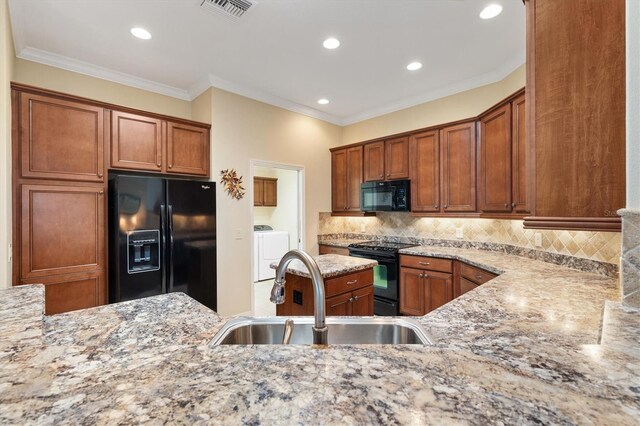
<point x="334" y="250"/>
<point x="346" y="295"/>
<point x="427" y="283"/>
<point x="422" y="291"/>
<point x="64" y="293"/>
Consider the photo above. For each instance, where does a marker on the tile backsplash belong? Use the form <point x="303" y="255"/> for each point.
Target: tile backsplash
<point x="600" y="246"/>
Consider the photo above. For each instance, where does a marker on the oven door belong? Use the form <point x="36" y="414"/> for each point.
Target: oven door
<point x="385" y="273"/>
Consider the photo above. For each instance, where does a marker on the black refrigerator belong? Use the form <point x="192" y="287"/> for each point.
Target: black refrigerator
<point x="162" y="238"/>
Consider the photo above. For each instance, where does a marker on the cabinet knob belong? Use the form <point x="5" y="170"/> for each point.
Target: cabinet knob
<point x="170" y="165"/>
<point x="351" y="299"/>
<point x="513" y="204"/>
<point x="435" y="207"/>
<point x="446" y="206"/>
<point x="100" y="192"/>
<point x="99" y="175"/>
<point x="388" y="174"/>
<point x="381" y="176"/>
<point x="421" y="275"/>
<point x="356" y="297"/>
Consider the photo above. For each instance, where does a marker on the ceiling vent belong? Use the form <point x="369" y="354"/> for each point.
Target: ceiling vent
<point x="233" y="9"/>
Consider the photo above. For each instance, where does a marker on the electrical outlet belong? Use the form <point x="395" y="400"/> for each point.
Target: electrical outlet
<point x="363" y="228"/>
<point x="538" y="239"/>
<point x="459" y="232"/>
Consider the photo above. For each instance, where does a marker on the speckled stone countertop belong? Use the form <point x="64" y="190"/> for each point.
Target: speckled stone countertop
<point x="331" y="265"/>
<point x="538" y="344"/>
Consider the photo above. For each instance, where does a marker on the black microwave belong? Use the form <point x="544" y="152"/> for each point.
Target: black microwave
<point x="390" y="196"/>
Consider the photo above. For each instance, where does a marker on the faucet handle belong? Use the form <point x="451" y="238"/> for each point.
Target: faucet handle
<point x="277" y="292"/>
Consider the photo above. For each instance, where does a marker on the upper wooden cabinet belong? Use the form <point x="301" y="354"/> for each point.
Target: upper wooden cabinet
<point x="265" y="192"/>
<point x="386" y="160"/>
<point x="458" y="144"/>
<point x="346" y="178"/>
<point x="140" y="142"/>
<point x="60" y="139"/>
<point x="187" y="149"/>
<point x="494" y="186"/>
<point x="425" y="172"/>
<point x="521" y="168"/>
<point x="374" y="161"/>
<point x="576" y="110"/>
<point x="136" y="142"/>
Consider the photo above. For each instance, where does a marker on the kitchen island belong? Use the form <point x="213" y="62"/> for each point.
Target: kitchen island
<point x="540" y="343"/>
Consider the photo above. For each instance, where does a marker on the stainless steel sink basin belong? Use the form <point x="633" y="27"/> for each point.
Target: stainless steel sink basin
<point x="342" y="331"/>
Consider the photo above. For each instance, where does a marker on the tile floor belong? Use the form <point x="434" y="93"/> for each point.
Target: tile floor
<point x="262" y="307"/>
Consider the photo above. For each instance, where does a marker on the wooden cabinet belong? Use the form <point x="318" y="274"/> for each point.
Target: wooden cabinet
<point x="495" y="160"/>
<point x="423" y="290"/>
<point x="59" y="139"/>
<point x="386" y="160"/>
<point x="470" y="278"/>
<point x="374" y="161"/>
<point x="346" y="177"/>
<point x="59" y="184"/>
<point x="325" y="249"/>
<point x="187" y="149"/>
<point x="425" y="172"/>
<point x="346" y="295"/>
<point x="504" y="173"/>
<point x="136" y="142"/>
<point x="458" y="146"/>
<point x="576" y="110"/>
<point x="397" y="158"/>
<point x="140" y="142"/>
<point x="265" y="192"/>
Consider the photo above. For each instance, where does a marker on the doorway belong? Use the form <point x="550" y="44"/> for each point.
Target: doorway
<point x="277" y="211"/>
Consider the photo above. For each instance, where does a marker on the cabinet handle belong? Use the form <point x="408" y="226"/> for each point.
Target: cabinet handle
<point x="446" y="206"/>
<point x="170" y="165"/>
<point x="424" y="263"/>
<point x="388" y="174"/>
<point x="513" y="204"/>
<point x="479" y="277"/>
<point x="421" y="275"/>
<point x="425" y="275"/>
<point x="351" y="299"/>
<point x="352" y="282"/>
<point x="382" y="175"/>
<point x="356" y="298"/>
<point x="100" y="192"/>
<point x="435" y="207"/>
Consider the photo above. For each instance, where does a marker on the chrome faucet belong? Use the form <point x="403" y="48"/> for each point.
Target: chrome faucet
<point x="278" y="295"/>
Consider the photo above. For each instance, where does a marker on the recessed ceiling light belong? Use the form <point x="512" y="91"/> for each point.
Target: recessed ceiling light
<point x="331" y="43"/>
<point x="141" y="33"/>
<point x="323" y="101"/>
<point x="491" y="11"/>
<point x="413" y="66"/>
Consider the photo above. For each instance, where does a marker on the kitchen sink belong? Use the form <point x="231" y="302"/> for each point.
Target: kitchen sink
<point x="342" y="331"/>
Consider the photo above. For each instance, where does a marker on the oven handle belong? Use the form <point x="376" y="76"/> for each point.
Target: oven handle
<point x="370" y="254"/>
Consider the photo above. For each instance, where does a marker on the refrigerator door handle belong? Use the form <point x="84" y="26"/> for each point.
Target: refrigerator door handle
<point x="163" y="236"/>
<point x="170" y="213"/>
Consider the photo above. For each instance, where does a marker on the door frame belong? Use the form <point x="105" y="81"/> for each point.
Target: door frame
<point x="253" y="163"/>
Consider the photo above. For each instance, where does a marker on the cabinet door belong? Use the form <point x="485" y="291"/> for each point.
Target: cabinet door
<point x="397" y="158"/>
<point x="495" y="161"/>
<point x="270" y="194"/>
<point x="64" y="293"/>
<point x="520" y="174"/>
<point x="354" y="177"/>
<point x="136" y="142"/>
<point x="258" y="191"/>
<point x="62" y="229"/>
<point x="187" y="149"/>
<point x="61" y="139"/>
<point x="425" y="172"/>
<point x="439" y="289"/>
<point x="466" y="285"/>
<point x="374" y="161"/>
<point x="459" y="168"/>
<point x="362" y="304"/>
<point x="339" y="180"/>
<point x="412" y="295"/>
<point x="339" y="305"/>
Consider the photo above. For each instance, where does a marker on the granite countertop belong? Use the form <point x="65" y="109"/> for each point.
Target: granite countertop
<point x="539" y="344"/>
<point x="331" y="265"/>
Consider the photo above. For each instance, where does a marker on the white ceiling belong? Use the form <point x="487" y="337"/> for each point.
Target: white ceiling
<point x="274" y="52"/>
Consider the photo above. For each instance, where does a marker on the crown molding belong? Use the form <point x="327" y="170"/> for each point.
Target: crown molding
<point x="86" y="68"/>
<point x="472" y="83"/>
<point x="261" y="96"/>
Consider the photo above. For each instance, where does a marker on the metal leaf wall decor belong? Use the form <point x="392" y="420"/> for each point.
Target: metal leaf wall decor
<point x="232" y="183"/>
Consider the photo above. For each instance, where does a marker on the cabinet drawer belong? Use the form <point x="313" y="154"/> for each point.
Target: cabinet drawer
<point x="334" y="250"/>
<point x="476" y="275"/>
<point x="466" y="285"/>
<point x="350" y="282"/>
<point x="430" y="263"/>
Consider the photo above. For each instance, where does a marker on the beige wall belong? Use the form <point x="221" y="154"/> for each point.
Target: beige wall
<point x="6" y="74"/>
<point x="244" y="130"/>
<point x="35" y="74"/>
<point x="451" y="108"/>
